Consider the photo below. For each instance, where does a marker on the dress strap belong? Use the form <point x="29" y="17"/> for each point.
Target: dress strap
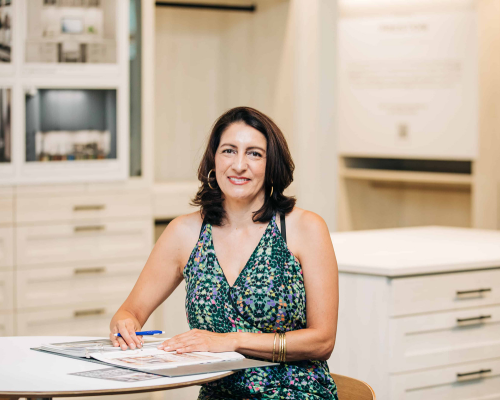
<point x="283" y="226"/>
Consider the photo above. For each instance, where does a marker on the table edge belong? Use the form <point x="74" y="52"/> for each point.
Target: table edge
<point x="101" y="392"/>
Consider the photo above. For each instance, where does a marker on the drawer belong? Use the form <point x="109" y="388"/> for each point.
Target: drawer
<point x="438" y="339"/>
<point x="6" y="248"/>
<point x="458" y="382"/>
<point x="52" y="244"/>
<point x="6" y="324"/>
<point x="6" y="290"/>
<point x="445" y="292"/>
<point x="73" y="285"/>
<point x="83" y="207"/>
<point x="6" y="206"/>
<point x="84" y="320"/>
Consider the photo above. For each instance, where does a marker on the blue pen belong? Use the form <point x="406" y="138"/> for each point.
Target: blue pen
<point x="145" y="333"/>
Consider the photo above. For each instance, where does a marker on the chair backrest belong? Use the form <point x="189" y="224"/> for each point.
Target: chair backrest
<point x="352" y="389"/>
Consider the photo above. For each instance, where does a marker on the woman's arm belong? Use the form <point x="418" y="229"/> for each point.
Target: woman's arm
<point x="159" y="278"/>
<point x="309" y="238"/>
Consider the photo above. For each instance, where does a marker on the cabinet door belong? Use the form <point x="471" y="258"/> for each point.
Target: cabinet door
<point x="52" y="244"/>
<point x="60" y="286"/>
<point x="6" y="206"/>
<point x="445" y="292"/>
<point x="6" y="247"/>
<point x="6" y="291"/>
<point x="471" y="381"/>
<point x="6" y="324"/>
<point x="83" y="207"/>
<point x="438" y="339"/>
<point x="84" y="320"/>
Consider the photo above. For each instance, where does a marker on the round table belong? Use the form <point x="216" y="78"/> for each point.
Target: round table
<point x="32" y="374"/>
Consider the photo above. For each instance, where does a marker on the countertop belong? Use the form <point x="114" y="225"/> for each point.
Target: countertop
<point x="416" y="251"/>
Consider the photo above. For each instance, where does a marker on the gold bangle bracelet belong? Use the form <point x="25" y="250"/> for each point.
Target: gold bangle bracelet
<point x="284" y="347"/>
<point x="274" y="344"/>
<point x="282" y="343"/>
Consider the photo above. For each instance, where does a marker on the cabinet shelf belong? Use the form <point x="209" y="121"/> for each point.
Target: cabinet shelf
<point x="438" y="178"/>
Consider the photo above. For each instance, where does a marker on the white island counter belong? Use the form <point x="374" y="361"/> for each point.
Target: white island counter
<point x="419" y="312"/>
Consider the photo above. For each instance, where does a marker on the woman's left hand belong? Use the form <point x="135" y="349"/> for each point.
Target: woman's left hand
<point x="199" y="340"/>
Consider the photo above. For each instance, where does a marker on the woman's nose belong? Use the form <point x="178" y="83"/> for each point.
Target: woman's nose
<point x="240" y="163"/>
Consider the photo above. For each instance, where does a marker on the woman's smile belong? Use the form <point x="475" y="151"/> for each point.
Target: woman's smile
<point x="237" y="180"/>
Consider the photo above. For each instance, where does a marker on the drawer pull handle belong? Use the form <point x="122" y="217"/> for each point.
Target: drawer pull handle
<point x="478" y="291"/>
<point x="481" y="371"/>
<point x="480" y="318"/>
<point x="88" y="313"/>
<point x="90" y="207"/>
<point x="89" y="228"/>
<point x="96" y="270"/>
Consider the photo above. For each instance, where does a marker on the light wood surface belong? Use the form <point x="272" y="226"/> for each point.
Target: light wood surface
<point x="352" y="389"/>
<point x="49" y="373"/>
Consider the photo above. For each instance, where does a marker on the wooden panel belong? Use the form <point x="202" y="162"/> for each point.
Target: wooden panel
<point x="6" y="290"/>
<point x="6" y="324"/>
<point x="91" y="319"/>
<point x="75" y="285"/>
<point x="377" y="205"/>
<point x="6" y="248"/>
<point x="82" y="207"/>
<point x="6" y="205"/>
<point x="440" y="339"/>
<point x="445" y="292"/>
<point x="444" y="384"/>
<point x="52" y="244"/>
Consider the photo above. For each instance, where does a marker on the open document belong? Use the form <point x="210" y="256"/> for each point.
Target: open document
<point x="151" y="359"/>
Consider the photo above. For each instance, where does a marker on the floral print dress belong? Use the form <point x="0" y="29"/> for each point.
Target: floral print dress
<point x="268" y="296"/>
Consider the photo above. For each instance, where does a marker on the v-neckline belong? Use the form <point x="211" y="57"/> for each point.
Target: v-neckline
<point x="246" y="264"/>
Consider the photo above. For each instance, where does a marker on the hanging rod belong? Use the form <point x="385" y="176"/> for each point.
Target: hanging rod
<point x="220" y="7"/>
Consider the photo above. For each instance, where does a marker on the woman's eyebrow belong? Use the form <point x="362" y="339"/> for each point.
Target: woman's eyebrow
<point x="248" y="148"/>
<point x="256" y="147"/>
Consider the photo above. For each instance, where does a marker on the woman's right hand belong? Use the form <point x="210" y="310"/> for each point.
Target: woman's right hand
<point x="126" y="328"/>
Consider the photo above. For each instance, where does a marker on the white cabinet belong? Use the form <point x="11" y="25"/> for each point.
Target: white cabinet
<point x="6" y="205"/>
<point x="6" y="291"/>
<point x="419" y="312"/>
<point x="51" y="209"/>
<point x="91" y="319"/>
<point x="79" y="250"/>
<point x="64" y="243"/>
<point x="6" y="323"/>
<point x="6" y="247"/>
<point x="76" y="284"/>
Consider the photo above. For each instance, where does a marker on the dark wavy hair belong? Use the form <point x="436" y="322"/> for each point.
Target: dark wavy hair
<point x="279" y="168"/>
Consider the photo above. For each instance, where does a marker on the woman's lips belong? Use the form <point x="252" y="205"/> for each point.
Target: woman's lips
<point x="238" y="181"/>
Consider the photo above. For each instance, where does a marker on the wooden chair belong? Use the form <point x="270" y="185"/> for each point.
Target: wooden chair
<point x="352" y="389"/>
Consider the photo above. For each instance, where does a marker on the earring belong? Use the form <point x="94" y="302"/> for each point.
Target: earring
<point x="208" y="179"/>
<point x="272" y="189"/>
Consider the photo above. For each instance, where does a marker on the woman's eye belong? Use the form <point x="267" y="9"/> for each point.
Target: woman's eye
<point x="228" y="151"/>
<point x="255" y="154"/>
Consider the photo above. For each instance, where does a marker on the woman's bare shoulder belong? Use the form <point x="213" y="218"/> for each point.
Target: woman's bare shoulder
<point x="185" y="226"/>
<point x="304" y="220"/>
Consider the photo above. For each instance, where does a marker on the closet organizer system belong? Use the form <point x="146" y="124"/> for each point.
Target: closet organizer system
<point x="75" y="230"/>
<point x="419" y="145"/>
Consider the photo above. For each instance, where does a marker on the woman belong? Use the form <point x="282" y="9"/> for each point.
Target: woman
<point x="256" y="259"/>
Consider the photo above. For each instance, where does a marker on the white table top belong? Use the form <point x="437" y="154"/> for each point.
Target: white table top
<point x="415" y="251"/>
<point x="26" y="372"/>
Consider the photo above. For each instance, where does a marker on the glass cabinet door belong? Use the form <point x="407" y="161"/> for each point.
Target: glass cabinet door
<point x="5" y="126"/>
<point x="70" y="125"/>
<point x="5" y="31"/>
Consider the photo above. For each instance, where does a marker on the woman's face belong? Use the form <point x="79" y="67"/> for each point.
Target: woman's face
<point x="240" y="162"/>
